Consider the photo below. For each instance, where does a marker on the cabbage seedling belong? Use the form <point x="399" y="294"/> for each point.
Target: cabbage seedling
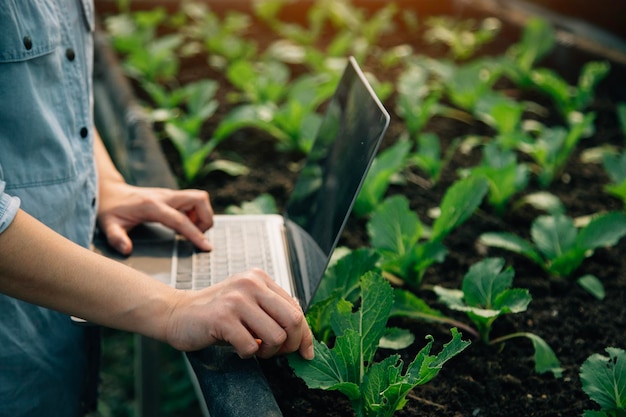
<point x="557" y="245"/>
<point x="375" y="389"/>
<point x="604" y="381"/>
<point x="485" y="295"/>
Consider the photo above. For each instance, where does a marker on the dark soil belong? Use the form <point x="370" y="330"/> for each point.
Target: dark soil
<point x="486" y="381"/>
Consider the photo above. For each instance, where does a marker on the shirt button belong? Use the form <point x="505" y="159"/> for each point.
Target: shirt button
<point x="93" y="202"/>
<point x="70" y="54"/>
<point x="28" y="43"/>
<point x="83" y="132"/>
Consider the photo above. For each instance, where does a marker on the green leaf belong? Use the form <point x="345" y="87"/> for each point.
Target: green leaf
<point x="592" y="285"/>
<point x="513" y="243"/>
<point x="388" y="163"/>
<point x="425" y="367"/>
<point x="545" y="359"/>
<point x="554" y="235"/>
<point x="602" y="230"/>
<point x="370" y="319"/>
<point x="458" y="204"/>
<point x="396" y="338"/>
<point x="342" y="279"/>
<point x="484" y="281"/>
<point x="407" y="304"/>
<point x="394" y="227"/>
<point x="604" y="379"/>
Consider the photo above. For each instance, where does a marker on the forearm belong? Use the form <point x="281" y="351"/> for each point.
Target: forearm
<point x="39" y="266"/>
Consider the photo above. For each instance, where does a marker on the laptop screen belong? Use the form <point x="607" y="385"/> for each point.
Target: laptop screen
<point x="320" y="204"/>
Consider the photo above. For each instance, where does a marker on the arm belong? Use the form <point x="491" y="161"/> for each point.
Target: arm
<point x="41" y="267"/>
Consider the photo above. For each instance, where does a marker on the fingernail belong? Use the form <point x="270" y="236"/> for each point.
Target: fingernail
<point x="309" y="353"/>
<point x="206" y="245"/>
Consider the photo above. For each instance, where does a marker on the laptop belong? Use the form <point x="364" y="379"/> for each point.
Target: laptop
<point x="295" y="247"/>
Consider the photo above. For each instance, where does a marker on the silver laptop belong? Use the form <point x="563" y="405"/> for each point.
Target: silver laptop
<point x="295" y="247"/>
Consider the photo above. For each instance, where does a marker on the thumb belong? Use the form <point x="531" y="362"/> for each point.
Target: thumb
<point x="118" y="238"/>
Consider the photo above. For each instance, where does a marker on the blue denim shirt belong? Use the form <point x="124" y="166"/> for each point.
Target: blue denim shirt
<point x="47" y="169"/>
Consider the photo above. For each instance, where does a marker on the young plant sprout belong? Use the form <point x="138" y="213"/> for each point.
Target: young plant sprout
<point x="485" y="295"/>
<point x="558" y="246"/>
<point x="407" y="248"/>
<point x="604" y="381"/>
<point x="374" y="388"/>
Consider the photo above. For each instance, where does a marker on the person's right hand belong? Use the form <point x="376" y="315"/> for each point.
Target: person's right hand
<point x="240" y="311"/>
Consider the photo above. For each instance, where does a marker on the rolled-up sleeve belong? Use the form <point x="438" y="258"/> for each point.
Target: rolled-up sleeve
<point x="8" y="208"/>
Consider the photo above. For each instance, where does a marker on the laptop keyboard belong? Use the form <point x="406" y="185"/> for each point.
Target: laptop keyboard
<point x="237" y="246"/>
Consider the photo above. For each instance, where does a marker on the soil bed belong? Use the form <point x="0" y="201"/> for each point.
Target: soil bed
<point x="481" y="381"/>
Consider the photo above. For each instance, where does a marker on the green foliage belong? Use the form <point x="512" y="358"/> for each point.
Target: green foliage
<point x="340" y="282"/>
<point x="504" y="174"/>
<point x="221" y="37"/>
<point x="429" y="156"/>
<point x="551" y="147"/>
<point x="417" y="102"/>
<point x="568" y="98"/>
<point x="537" y="41"/>
<point x="615" y="167"/>
<point x="604" y="381"/>
<point x="375" y="389"/>
<point x="401" y="239"/>
<point x="386" y="165"/>
<point x="557" y="245"/>
<point x="183" y="128"/>
<point x="485" y="295"/>
<point x="287" y="110"/>
<point x="463" y="37"/>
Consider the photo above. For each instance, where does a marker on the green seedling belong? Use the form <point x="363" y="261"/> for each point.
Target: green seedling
<point x="615" y="167"/>
<point x="340" y="282"/>
<point x="558" y="246"/>
<point x="259" y="82"/>
<point x="292" y="120"/>
<point x="417" y="101"/>
<point x="146" y="55"/>
<point x="504" y="115"/>
<point x="387" y="164"/>
<point x="569" y="98"/>
<point x="551" y="147"/>
<point x="195" y="105"/>
<point x="430" y="158"/>
<point x="471" y="81"/>
<point x="221" y="37"/>
<point x="356" y="32"/>
<point x="604" y="381"/>
<point x="537" y="41"/>
<point x="406" y="247"/>
<point x="504" y="174"/>
<point x="485" y="295"/>
<point x="375" y="389"/>
<point x="463" y="37"/>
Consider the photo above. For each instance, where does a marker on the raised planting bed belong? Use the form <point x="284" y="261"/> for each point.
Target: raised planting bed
<point x="487" y="113"/>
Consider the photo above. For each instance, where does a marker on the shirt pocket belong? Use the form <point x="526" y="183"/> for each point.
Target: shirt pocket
<point x="28" y="29"/>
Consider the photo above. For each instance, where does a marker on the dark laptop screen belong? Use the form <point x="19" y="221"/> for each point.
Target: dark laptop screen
<point x="344" y="148"/>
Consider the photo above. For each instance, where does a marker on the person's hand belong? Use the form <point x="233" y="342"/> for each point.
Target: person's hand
<point x="123" y="206"/>
<point x="248" y="311"/>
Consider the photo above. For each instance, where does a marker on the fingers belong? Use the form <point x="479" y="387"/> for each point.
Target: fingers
<point x="251" y="313"/>
<point x="188" y="212"/>
<point x="118" y="238"/>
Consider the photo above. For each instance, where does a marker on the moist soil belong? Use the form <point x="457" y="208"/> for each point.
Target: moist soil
<point x="486" y="381"/>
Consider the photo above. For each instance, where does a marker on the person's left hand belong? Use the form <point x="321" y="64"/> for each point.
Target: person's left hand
<point x="123" y="206"/>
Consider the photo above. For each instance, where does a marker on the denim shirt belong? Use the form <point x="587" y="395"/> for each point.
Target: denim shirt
<point x="47" y="169"/>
